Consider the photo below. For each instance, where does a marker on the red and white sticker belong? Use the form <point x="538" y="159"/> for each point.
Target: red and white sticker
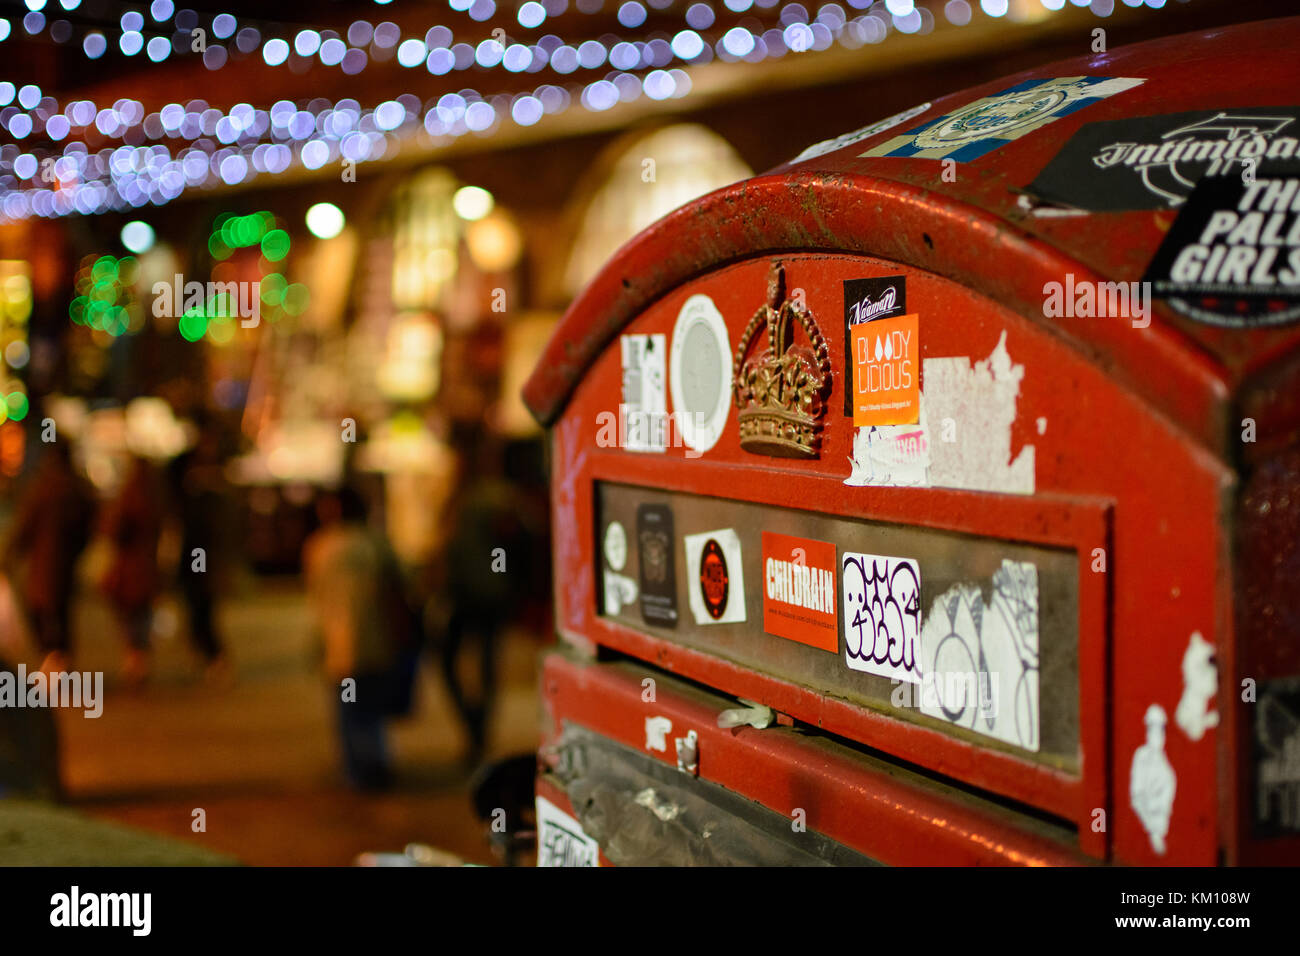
<point x="799" y="590"/>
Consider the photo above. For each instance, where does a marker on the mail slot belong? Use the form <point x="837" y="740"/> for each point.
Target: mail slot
<point x="964" y="445"/>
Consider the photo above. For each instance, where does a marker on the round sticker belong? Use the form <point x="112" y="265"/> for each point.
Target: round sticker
<point x="700" y="373"/>
<point x="714" y="582"/>
<point x="616" y="546"/>
<point x="1003" y="116"/>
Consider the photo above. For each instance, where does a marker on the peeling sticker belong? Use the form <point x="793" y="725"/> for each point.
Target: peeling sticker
<point x="645" y="401"/>
<point x="1152" y="782"/>
<point x="657" y="730"/>
<point x="891" y="455"/>
<point x="970" y="409"/>
<point x="1200" y="687"/>
<point x="1042" y="426"/>
<point x="858" y="135"/>
<point x="981" y="399"/>
<point x="560" y="839"/>
<point x="718" y="593"/>
<point x="979" y="663"/>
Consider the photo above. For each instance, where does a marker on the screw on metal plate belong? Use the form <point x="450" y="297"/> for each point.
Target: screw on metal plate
<point x="688" y="754"/>
<point x="752" y="714"/>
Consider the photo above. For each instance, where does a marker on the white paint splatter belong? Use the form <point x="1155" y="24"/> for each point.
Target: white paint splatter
<point x="657" y="730"/>
<point x="1200" y="687"/>
<point x="1152" y="782"/>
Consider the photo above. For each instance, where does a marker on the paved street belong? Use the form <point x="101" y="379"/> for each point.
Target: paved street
<point x="257" y="756"/>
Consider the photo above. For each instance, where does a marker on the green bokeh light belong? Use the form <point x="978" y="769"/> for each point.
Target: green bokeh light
<point x="275" y="245"/>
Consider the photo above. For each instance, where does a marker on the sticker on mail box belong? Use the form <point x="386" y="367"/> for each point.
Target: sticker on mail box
<point x="799" y="590"/>
<point x="869" y="300"/>
<point x="718" y="592"/>
<point x="1153" y="162"/>
<point x="993" y="121"/>
<point x="645" y="402"/>
<point x="886" y="378"/>
<point x="882" y="615"/>
<point x="654" y="537"/>
<point x="561" y="840"/>
<point x="1232" y="257"/>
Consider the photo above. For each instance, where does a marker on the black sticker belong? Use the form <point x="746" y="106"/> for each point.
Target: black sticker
<point x="1277" y="758"/>
<point x="715" y="583"/>
<point x="654" y="541"/>
<point x="865" y="300"/>
<point x="1232" y="257"/>
<point x="1152" y="162"/>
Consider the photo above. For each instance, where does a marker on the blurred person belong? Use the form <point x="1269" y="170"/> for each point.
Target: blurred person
<point x="483" y="590"/>
<point x="51" y="528"/>
<point x="132" y="525"/>
<point x="357" y="598"/>
<point x="198" y="499"/>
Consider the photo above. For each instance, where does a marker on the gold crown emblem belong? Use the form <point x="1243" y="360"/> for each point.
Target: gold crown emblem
<point x="781" y="389"/>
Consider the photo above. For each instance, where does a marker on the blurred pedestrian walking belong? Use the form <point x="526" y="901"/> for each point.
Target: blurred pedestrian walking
<point x="483" y="587"/>
<point x="371" y="638"/>
<point x="132" y="524"/>
<point x="50" y="530"/>
<point x="199" y="503"/>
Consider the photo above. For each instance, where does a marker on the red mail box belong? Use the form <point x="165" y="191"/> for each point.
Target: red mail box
<point x="963" y="445"/>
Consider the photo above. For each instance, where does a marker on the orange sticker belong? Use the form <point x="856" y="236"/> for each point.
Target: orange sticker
<point x="799" y="590"/>
<point x="886" y="371"/>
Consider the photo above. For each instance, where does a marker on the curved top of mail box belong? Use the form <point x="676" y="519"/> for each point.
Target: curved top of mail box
<point x="988" y="230"/>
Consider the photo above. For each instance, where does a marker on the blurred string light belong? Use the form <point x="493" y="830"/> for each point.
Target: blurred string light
<point x="137" y="236"/>
<point x="249" y="143"/>
<point x="105" y="301"/>
<point x="168" y="30"/>
<point x="472" y="203"/>
<point x="244" y="142"/>
<point x="325" y="220"/>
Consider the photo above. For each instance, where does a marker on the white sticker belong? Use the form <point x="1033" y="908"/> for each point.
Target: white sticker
<point x="980" y="664"/>
<point x="1152" y="782"/>
<point x="882" y="615"/>
<point x="701" y="373"/>
<point x="560" y="840"/>
<point x="615" y="545"/>
<point x="891" y="455"/>
<point x="645" y="401"/>
<point x="858" y="135"/>
<point x="716" y="577"/>
<point x="620" y="590"/>
<point x="1200" y="687"/>
<point x="963" y="439"/>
